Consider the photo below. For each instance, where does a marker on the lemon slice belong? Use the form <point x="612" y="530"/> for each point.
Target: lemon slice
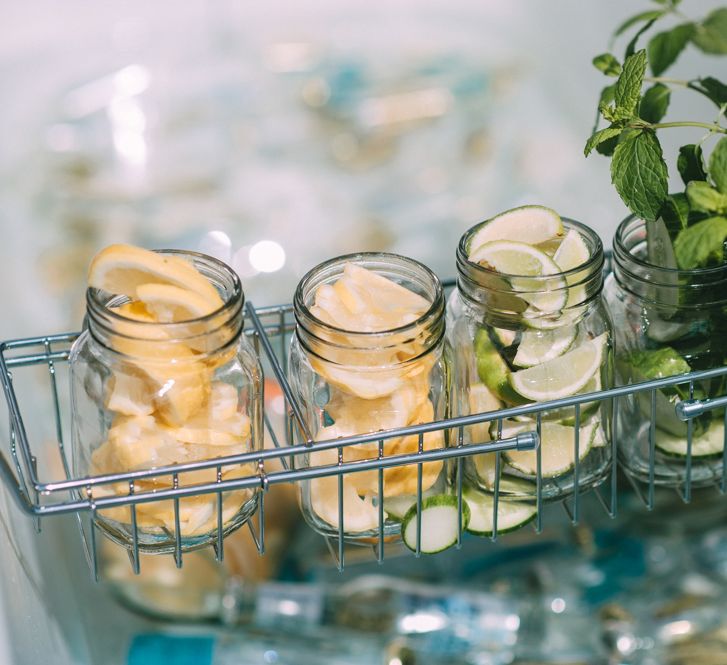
<point x="539" y="346"/>
<point x="172" y="304"/>
<point x="123" y="268"/>
<point x="562" y="376"/>
<point x="519" y="261"/>
<point x="386" y="294"/>
<point x="557" y="449"/>
<point x="536" y="223"/>
<point x="130" y="394"/>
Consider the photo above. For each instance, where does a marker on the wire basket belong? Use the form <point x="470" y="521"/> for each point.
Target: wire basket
<point x="41" y="497"/>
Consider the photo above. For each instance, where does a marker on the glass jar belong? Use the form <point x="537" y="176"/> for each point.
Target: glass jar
<point x="148" y="394"/>
<point x="350" y="382"/>
<point x="499" y="325"/>
<point x="667" y="322"/>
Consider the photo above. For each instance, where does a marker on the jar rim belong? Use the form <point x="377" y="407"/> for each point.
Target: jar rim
<point x="233" y="303"/>
<point x="622" y="251"/>
<point x="595" y="260"/>
<point x="300" y="308"/>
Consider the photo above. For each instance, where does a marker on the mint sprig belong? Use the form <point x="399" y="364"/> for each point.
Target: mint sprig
<point x="635" y="108"/>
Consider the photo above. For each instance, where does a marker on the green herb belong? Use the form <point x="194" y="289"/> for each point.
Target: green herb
<point x="635" y="108"/>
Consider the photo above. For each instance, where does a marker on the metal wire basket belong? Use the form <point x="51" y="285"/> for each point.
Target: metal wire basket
<point x="41" y="497"/>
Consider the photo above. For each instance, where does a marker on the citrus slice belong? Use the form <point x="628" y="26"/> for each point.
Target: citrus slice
<point x="539" y="346"/>
<point x="493" y="370"/>
<point x="481" y="400"/>
<point x="709" y="443"/>
<point x="172" y="304"/>
<point x="557" y="449"/>
<point x="386" y="293"/>
<point x="359" y="515"/>
<point x="123" y="268"/>
<point x="361" y="300"/>
<point x="572" y="252"/>
<point x="536" y="223"/>
<point x="511" y="515"/>
<point x="520" y="261"/>
<point x="130" y="394"/>
<point x="562" y="376"/>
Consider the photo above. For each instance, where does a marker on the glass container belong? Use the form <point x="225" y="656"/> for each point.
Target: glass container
<point x="351" y="382"/>
<point x="552" y="329"/>
<point x="666" y="322"/>
<point x="148" y="394"/>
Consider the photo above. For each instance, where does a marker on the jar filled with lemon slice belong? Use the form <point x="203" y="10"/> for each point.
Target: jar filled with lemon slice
<point x="527" y="325"/>
<point x="368" y="356"/>
<point x="163" y="376"/>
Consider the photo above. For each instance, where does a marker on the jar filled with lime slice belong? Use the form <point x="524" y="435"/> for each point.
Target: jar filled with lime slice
<point x="669" y="306"/>
<point x="529" y="331"/>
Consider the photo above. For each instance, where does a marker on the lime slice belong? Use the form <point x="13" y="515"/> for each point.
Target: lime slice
<point x="493" y="370"/>
<point x="505" y="337"/>
<point x="520" y="261"/>
<point x="562" y="376"/>
<point x="511" y="515"/>
<point x="481" y="400"/>
<point x="557" y="450"/>
<point x="542" y="345"/>
<point x="536" y="223"/>
<point x="709" y="443"/>
<point x="573" y="251"/>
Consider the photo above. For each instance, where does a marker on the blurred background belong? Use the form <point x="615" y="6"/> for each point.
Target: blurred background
<point x="278" y="134"/>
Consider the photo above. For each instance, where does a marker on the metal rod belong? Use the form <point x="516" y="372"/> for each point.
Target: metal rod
<point x="340" y="512"/>
<point x="279" y="373"/>
<point x="380" y="550"/>
<point x="576" y="465"/>
<point x="419" y="499"/>
<point x="687" y="496"/>
<point x="652" y="450"/>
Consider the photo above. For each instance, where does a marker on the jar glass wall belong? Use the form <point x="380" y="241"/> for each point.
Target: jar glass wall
<point x="362" y="377"/>
<point x="518" y="340"/>
<point x="667" y="322"/>
<point x="149" y="394"/>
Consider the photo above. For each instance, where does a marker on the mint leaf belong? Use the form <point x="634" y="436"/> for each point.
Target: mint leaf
<point x="654" y="103"/>
<point x="718" y="165"/>
<point x="690" y="163"/>
<point x="712" y="88"/>
<point x="607" y="64"/>
<point x="607" y="147"/>
<point x="701" y="245"/>
<point x="702" y="196"/>
<point x="607" y="94"/>
<point x="711" y="35"/>
<point x="632" y="44"/>
<point x="675" y="213"/>
<point x="650" y="15"/>
<point x="639" y="174"/>
<point x="628" y="86"/>
<point x="664" y="48"/>
<point x="601" y="136"/>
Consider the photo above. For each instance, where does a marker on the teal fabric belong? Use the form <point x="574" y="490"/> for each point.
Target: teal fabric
<point x="156" y="649"/>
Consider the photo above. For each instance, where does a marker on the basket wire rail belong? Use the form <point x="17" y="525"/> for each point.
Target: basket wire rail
<point x="269" y="330"/>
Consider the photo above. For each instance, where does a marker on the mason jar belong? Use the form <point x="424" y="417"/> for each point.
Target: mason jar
<point x="148" y="394"/>
<point x="550" y="334"/>
<point x="667" y="322"/>
<point x="352" y="382"/>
